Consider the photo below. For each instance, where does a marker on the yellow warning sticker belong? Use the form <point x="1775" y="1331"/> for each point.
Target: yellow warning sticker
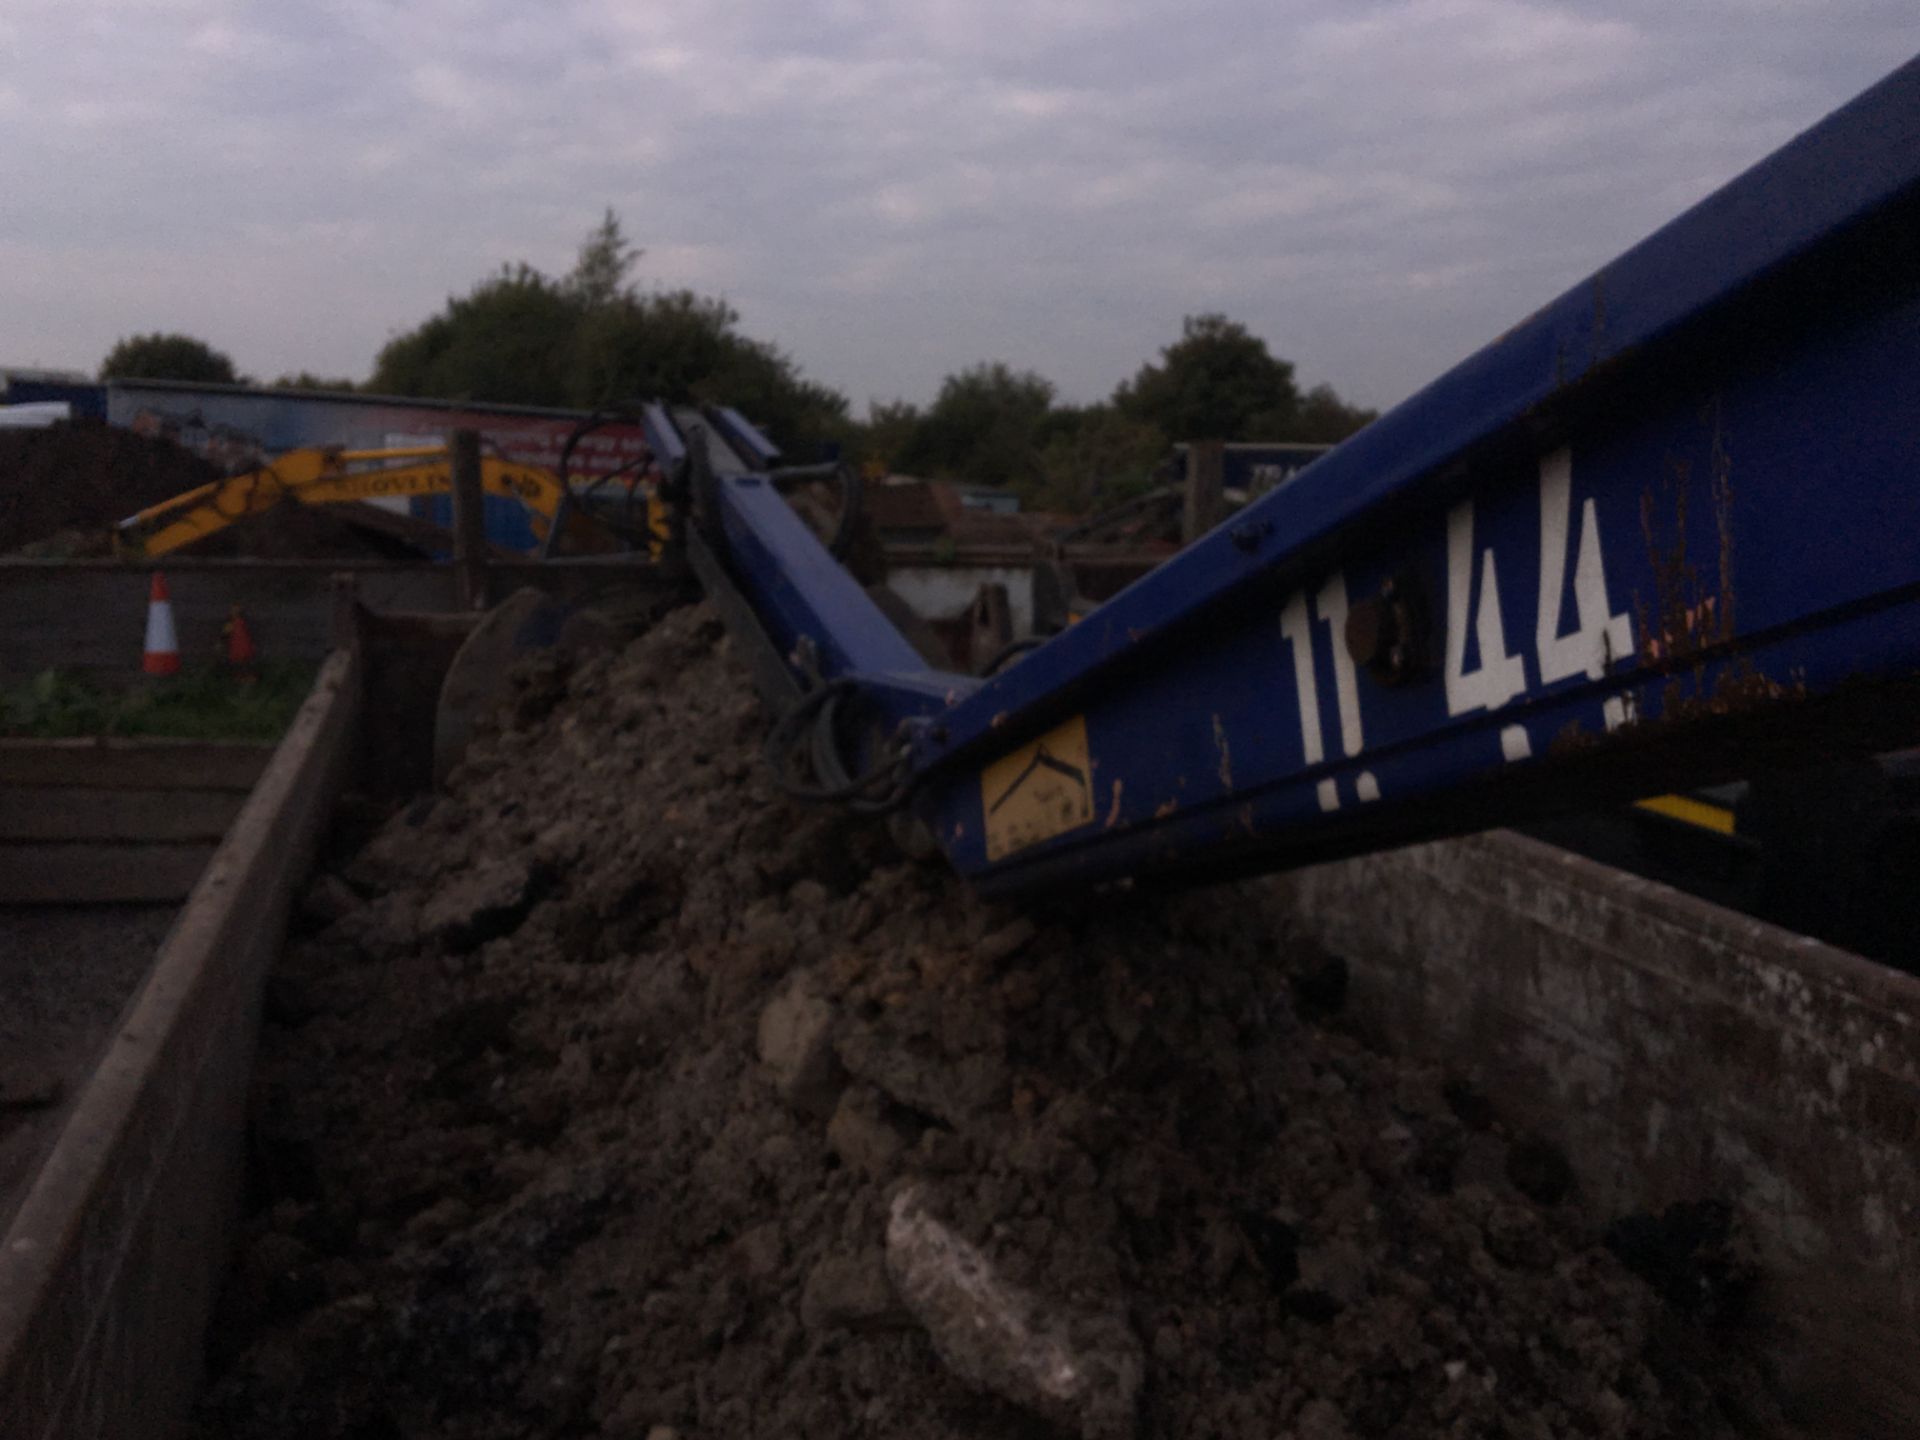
<point x="1039" y="791"/>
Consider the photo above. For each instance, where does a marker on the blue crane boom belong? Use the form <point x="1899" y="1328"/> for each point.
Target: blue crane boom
<point x="1667" y="523"/>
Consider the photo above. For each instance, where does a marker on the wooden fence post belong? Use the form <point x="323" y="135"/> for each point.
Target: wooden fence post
<point x="1206" y="467"/>
<point x="469" y="522"/>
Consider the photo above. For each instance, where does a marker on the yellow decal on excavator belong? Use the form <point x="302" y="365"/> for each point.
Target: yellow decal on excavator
<point x="1041" y="790"/>
<point x="1688" y="811"/>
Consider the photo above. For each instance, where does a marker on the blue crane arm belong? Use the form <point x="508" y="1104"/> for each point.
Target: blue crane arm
<point x="1667" y="523"/>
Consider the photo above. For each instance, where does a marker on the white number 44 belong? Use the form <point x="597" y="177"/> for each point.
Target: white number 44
<point x="1598" y="636"/>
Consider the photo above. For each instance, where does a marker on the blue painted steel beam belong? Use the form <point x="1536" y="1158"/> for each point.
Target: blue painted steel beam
<point x="1862" y="162"/>
<point x="1668" y="517"/>
<point x="801" y="593"/>
<point x="663" y="438"/>
<point x="1676" y="503"/>
<point x="744" y="436"/>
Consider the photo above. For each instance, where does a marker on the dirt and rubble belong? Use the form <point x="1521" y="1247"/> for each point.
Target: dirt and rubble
<point x="76" y="480"/>
<point x="64" y="488"/>
<point x="609" y="1095"/>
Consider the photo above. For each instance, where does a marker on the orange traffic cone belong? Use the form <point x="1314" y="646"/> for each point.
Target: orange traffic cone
<point x="240" y="651"/>
<point x="163" y="640"/>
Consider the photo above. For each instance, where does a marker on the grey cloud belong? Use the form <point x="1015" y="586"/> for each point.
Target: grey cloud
<point x="889" y="192"/>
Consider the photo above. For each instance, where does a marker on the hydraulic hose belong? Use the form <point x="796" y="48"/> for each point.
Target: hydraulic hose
<point x="814" y="719"/>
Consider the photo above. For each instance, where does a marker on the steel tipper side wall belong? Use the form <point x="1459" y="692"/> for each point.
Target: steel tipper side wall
<point x="1675" y="1051"/>
<point x="1775" y="598"/>
<point x="1728" y="408"/>
<point x="109" y="1269"/>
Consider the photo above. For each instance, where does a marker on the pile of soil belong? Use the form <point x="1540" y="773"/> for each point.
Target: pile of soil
<point x="292" y="531"/>
<point x="84" y="476"/>
<point x="611" y="1095"/>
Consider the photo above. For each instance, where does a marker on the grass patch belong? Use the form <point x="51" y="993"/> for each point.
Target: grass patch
<point x="209" y="704"/>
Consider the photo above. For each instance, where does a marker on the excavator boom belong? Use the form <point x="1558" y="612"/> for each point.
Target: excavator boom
<point x="331" y="476"/>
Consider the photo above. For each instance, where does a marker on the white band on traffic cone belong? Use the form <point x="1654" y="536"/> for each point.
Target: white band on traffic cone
<point x="163" y="640"/>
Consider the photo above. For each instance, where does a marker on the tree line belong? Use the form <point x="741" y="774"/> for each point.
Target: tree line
<point x="593" y="339"/>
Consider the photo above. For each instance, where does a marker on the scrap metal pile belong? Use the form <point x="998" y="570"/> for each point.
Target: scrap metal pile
<point x="608" y="1093"/>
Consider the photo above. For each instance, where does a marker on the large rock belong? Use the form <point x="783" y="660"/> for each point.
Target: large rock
<point x="953" y="1090"/>
<point x="28" y="1087"/>
<point x="796" y="1045"/>
<point x="329" y="898"/>
<point x="1338" y="1269"/>
<point x="1077" y="1369"/>
<point x="861" y="1134"/>
<point x="479" y="905"/>
<point x="1319" y="1420"/>
<point x="849" y="1291"/>
<point x="1006" y="942"/>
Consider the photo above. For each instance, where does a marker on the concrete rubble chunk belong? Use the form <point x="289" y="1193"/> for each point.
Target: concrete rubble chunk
<point x="952" y="1091"/>
<point x="329" y="898"/>
<point x="861" y="1134"/>
<point x="479" y="905"/>
<point x="1337" y="1269"/>
<point x="1320" y="1420"/>
<point x="29" y="1087"/>
<point x="808" y="895"/>
<point x="850" y="1291"/>
<point x="1076" y="1369"/>
<point x="1538" y="1169"/>
<point x="760" y="1251"/>
<point x="796" y="1045"/>
<point x="1006" y="942"/>
<point x="768" y="934"/>
<point x="288" y="1000"/>
<point x="588" y="632"/>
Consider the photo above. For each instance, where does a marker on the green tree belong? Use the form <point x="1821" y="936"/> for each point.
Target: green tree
<point x="507" y="340"/>
<point x="889" y="430"/>
<point x="1093" y="457"/>
<point x="167" y="357"/>
<point x="983" y="427"/>
<point x="682" y="346"/>
<point x="1213" y="383"/>
<point x="307" y="380"/>
<point x="1324" y="418"/>
<point x="593" y="341"/>
<point x="599" y="276"/>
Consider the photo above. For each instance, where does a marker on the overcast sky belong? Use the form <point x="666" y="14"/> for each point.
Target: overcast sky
<point x="888" y="192"/>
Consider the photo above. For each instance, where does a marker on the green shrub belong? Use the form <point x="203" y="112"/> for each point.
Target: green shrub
<point x="203" y="704"/>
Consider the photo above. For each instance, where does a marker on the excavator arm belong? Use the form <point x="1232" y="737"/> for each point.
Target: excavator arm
<point x="331" y="476"/>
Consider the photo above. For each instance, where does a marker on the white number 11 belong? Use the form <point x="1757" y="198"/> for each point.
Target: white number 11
<point x="1331" y="606"/>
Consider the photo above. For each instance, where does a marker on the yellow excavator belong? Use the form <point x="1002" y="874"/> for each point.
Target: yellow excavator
<point x="330" y="475"/>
